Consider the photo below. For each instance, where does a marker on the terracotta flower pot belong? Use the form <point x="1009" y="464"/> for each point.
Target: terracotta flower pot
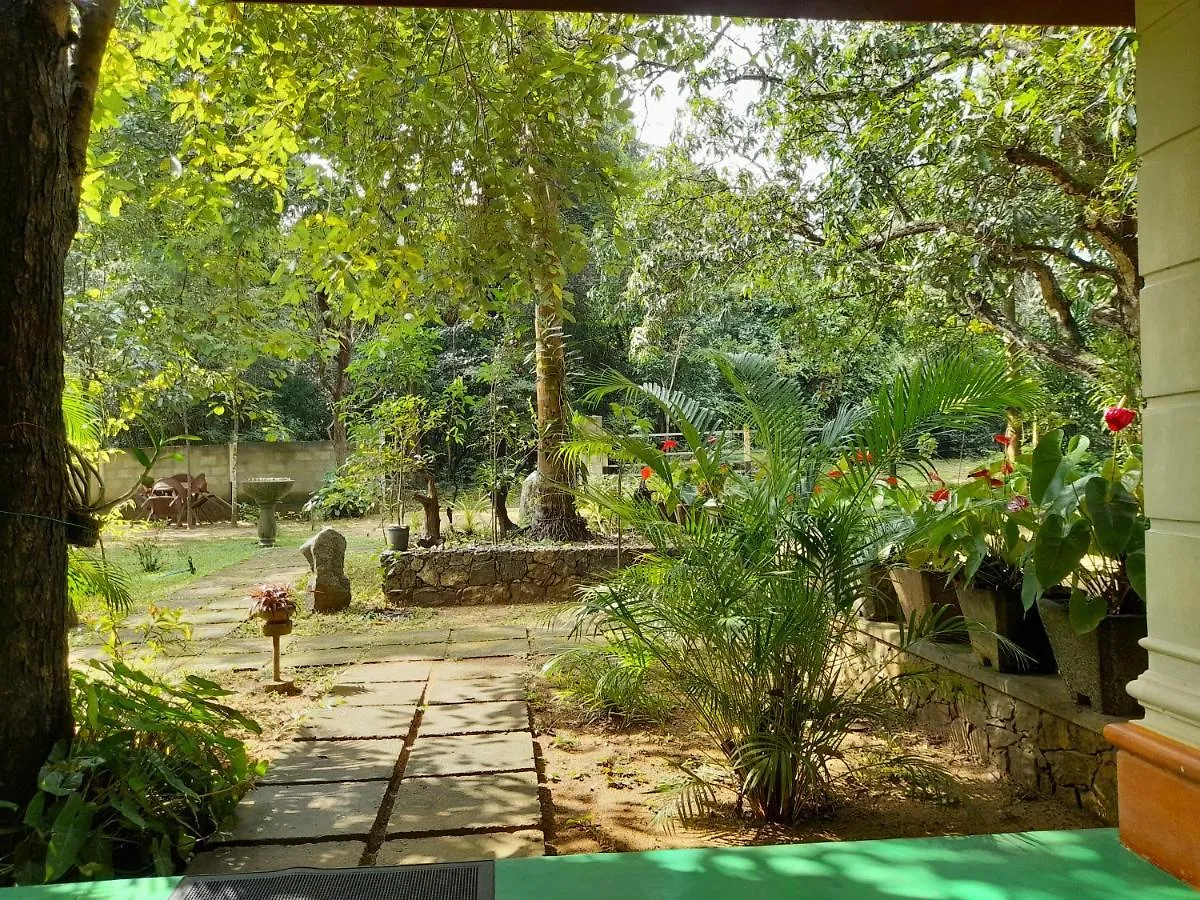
<point x="1096" y="666"/>
<point x="1002" y="614"/>
<point x="276" y="616"/>
<point x="919" y="591"/>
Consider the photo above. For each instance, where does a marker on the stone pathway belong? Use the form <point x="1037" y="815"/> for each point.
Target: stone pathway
<point x="422" y="751"/>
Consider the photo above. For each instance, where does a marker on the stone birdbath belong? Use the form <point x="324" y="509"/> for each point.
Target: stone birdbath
<point x="267" y="492"/>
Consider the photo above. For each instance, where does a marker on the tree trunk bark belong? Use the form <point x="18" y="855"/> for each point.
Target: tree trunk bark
<point x="504" y="525"/>
<point x="233" y="467"/>
<point x="37" y="223"/>
<point x="431" y="504"/>
<point x="332" y="375"/>
<point x="554" y="515"/>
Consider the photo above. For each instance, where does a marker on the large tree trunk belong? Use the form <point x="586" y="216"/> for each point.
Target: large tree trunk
<point x="504" y="525"/>
<point x="45" y="110"/>
<point x="431" y="504"/>
<point x="332" y="374"/>
<point x="554" y="516"/>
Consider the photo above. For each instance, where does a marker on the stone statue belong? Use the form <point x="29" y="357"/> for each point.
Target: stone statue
<point x="326" y="555"/>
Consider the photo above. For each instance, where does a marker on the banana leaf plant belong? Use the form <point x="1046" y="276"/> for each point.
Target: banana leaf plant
<point x="1089" y="532"/>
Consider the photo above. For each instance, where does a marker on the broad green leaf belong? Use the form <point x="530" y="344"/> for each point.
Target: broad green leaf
<point x="1113" y="511"/>
<point x="1135" y="568"/>
<point x="1047" y="456"/>
<point x="1031" y="588"/>
<point x="1086" y="612"/>
<point x="67" y="835"/>
<point x="1058" y="550"/>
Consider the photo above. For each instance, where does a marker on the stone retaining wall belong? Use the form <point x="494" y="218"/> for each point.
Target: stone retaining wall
<point x="1022" y="726"/>
<point x="477" y="575"/>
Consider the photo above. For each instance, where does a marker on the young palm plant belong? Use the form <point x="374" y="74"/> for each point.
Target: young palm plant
<point x="746" y="602"/>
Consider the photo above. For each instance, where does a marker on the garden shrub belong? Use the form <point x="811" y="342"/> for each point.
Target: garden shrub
<point x="153" y="771"/>
<point x="340" y="497"/>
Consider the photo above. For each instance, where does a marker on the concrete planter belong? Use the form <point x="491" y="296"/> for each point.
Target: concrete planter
<point x="879" y="603"/>
<point x="1003" y="615"/>
<point x="919" y="591"/>
<point x="1096" y="666"/>
<point x="396" y="537"/>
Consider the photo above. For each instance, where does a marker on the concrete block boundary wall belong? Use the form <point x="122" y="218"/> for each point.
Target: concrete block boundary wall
<point x="307" y="462"/>
<point x="1025" y="727"/>
<point x="502" y="574"/>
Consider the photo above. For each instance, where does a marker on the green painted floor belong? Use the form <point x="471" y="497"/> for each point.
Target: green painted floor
<point x="1046" y="865"/>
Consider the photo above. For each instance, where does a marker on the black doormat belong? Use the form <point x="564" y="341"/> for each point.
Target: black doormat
<point x="442" y="881"/>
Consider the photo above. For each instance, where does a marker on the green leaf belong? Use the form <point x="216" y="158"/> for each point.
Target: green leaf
<point x="1031" y="588"/>
<point x="1047" y="456"/>
<point x="67" y="835"/>
<point x="1113" y="511"/>
<point x="1086" y="612"/>
<point x="1058" y="549"/>
<point x="1135" y="568"/>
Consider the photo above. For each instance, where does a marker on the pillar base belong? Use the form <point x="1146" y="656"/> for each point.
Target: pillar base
<point x="1159" y="799"/>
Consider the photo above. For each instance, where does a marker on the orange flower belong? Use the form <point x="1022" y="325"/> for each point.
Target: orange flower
<point x="892" y="480"/>
<point x="834" y="473"/>
<point x="646" y="473"/>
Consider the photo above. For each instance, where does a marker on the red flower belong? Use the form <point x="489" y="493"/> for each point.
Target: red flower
<point x="860" y="456"/>
<point x="1003" y="440"/>
<point x="892" y="480"/>
<point x="939" y="495"/>
<point x="646" y="473"/>
<point x="934" y="476"/>
<point x="670" y="444"/>
<point x="996" y="482"/>
<point x="791" y="498"/>
<point x="1007" y="468"/>
<point x="1018" y="503"/>
<point x="1118" y="418"/>
<point x="834" y="473"/>
<point x="979" y="473"/>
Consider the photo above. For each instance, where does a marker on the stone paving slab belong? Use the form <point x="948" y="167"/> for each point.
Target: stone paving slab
<point x="244" y="860"/>
<point x="419" y="636"/>
<point x="209" y="616"/>
<point x="401" y="652"/>
<point x="299" y="812"/>
<point x="506" y="687"/>
<point x="226" y="662"/>
<point x="461" y="848"/>
<point x="483" y="649"/>
<point x="250" y="646"/>
<point x="475" y="718"/>
<point x="470" y="754"/>
<point x="356" y="723"/>
<point x="215" y="631"/>
<point x="369" y="639"/>
<point x="380" y="693"/>
<point x="304" y="762"/>
<point x="490" y="633"/>
<point x="474" y="669"/>
<point x="407" y="670"/>
<point x="313" y="659"/>
<point x="468" y="802"/>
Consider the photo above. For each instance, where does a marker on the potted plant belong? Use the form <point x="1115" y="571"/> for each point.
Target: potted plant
<point x="274" y="603"/>
<point x="1087" y="567"/>
<point x="980" y="536"/>
<point x="921" y="582"/>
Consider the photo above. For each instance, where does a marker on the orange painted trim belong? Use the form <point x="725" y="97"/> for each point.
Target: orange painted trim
<point x="1158" y="799"/>
<point x="1116" y="13"/>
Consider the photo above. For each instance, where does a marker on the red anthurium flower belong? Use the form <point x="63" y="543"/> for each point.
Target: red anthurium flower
<point x="939" y="495"/>
<point x="670" y="444"/>
<point x="892" y="480"/>
<point x="1018" y="503"/>
<point x="834" y="473"/>
<point x="646" y="473"/>
<point x="1003" y="440"/>
<point x="1007" y="468"/>
<point x="979" y="473"/>
<point x="996" y="482"/>
<point x="1118" y="418"/>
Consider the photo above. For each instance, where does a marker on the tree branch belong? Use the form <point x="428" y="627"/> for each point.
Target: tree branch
<point x="1056" y="303"/>
<point x="1071" y="185"/>
<point x="1073" y="360"/>
<point x="96" y="20"/>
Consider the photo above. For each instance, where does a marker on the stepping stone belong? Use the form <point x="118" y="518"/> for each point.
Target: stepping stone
<point x="482" y="649"/>
<point x="340" y="641"/>
<point x="210" y="616"/>
<point x="382" y="672"/>
<point x="307" y="762"/>
<point x="475" y="718"/>
<point x="490" y="633"/>
<point x="385" y="693"/>
<point x="248" y="646"/>
<point x="419" y="636"/>
<point x="460" y="848"/>
<point x="402" y="652"/>
<point x="508" y="687"/>
<point x="227" y="662"/>
<point x="300" y="812"/>
<point x="475" y="669"/>
<point x="311" y="659"/>
<point x="472" y="754"/>
<point x="243" y="860"/>
<point x="214" y="631"/>
<point x="467" y="803"/>
<point x="356" y="723"/>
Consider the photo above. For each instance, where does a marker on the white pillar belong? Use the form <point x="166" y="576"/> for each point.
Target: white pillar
<point x="1168" y="95"/>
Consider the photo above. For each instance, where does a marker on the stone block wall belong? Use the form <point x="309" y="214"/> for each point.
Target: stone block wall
<point x="1023" y="726"/>
<point x="505" y="574"/>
